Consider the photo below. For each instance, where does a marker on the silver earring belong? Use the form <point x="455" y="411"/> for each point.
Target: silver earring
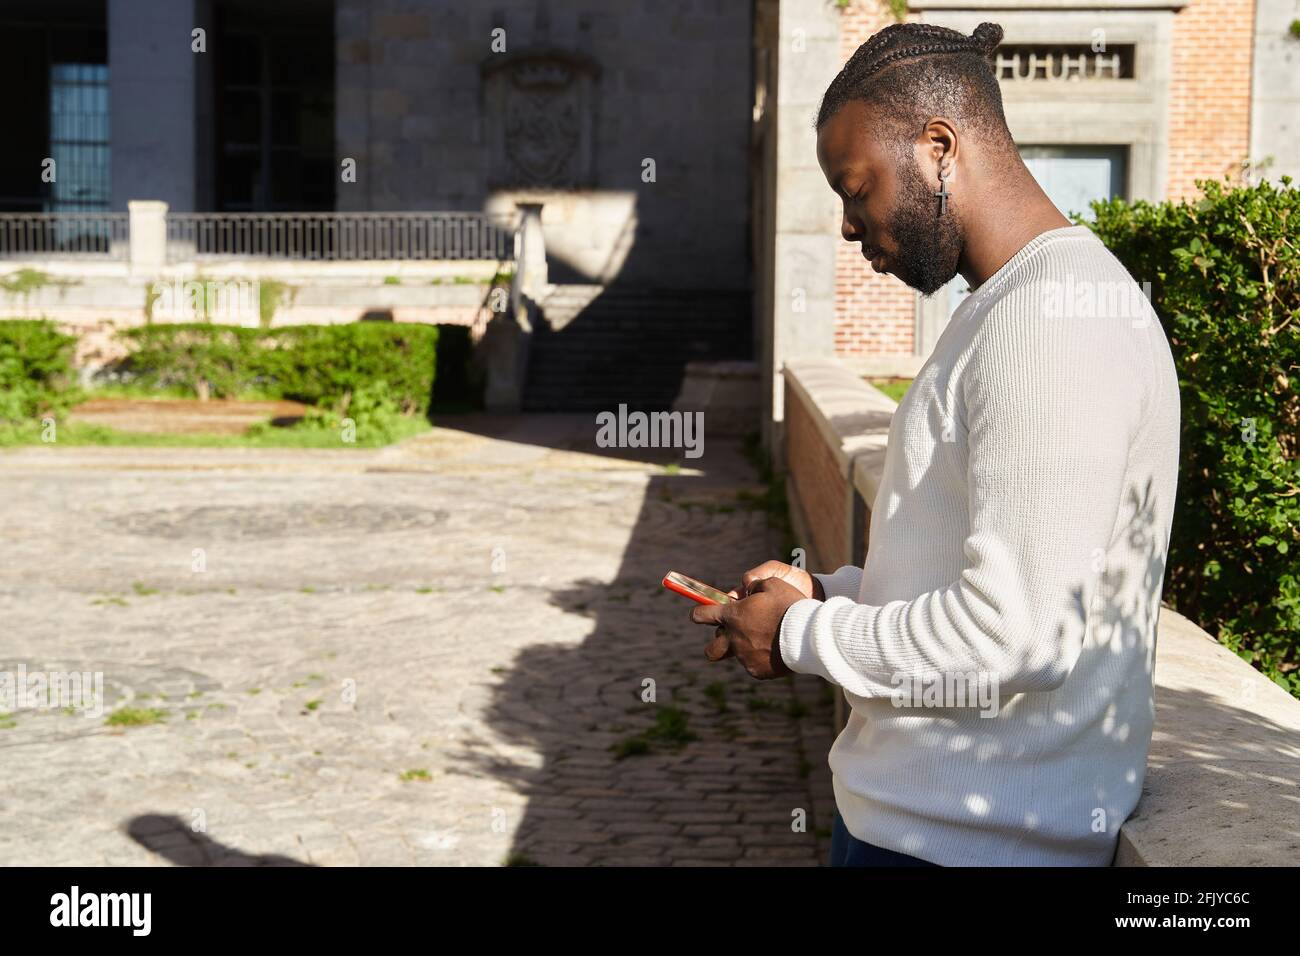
<point x="943" y="193"/>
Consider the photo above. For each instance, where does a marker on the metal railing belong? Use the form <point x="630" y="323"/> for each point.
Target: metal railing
<point x="340" y="235"/>
<point x="72" y="234"/>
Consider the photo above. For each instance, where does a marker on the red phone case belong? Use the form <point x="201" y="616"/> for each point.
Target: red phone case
<point x="698" y="598"/>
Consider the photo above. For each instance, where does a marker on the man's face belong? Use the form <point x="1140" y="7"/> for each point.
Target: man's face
<point x="889" y="208"/>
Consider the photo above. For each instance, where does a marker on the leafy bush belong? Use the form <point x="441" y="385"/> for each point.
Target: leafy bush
<point x="1225" y="274"/>
<point x="36" y="374"/>
<point x="322" y="365"/>
<point x="368" y="418"/>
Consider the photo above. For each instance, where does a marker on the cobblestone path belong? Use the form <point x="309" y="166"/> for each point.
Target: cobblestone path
<point x="434" y="653"/>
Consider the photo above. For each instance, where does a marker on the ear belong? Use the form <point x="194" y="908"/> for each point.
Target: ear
<point x="938" y="147"/>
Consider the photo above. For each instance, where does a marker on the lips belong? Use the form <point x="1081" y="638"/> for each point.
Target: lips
<point x="876" y="258"/>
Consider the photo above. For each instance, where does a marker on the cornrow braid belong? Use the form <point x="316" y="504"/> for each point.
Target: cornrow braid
<point x="918" y="70"/>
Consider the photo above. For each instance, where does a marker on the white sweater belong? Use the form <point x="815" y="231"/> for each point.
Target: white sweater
<point x="1019" y="535"/>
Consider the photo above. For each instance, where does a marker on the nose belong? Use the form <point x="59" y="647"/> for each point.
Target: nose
<point x="850" y="229"/>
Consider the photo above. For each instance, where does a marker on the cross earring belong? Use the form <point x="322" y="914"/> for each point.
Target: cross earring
<point x="943" y="194"/>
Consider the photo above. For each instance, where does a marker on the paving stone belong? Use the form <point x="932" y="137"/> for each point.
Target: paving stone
<point x="423" y="655"/>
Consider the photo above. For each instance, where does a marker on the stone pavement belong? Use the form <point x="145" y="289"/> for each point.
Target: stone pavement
<point x="434" y="653"/>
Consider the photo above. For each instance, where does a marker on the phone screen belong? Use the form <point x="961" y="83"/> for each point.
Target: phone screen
<point x="697" y="587"/>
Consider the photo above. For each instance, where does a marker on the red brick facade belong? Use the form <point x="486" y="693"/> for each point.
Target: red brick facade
<point x="1209" y="92"/>
<point x="1209" y="136"/>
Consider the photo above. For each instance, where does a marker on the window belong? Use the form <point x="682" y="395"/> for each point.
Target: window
<point x="79" y="136"/>
<point x="275" y="112"/>
<point x="57" y="75"/>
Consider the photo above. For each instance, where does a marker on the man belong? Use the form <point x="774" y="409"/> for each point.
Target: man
<point x="996" y="649"/>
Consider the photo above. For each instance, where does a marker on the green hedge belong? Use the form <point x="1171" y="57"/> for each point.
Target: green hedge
<point x="316" y="364"/>
<point x="1225" y="274"/>
<point x="36" y="374"/>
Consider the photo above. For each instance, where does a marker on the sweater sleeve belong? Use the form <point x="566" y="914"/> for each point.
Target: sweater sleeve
<point x="846" y="582"/>
<point x="1047" y="408"/>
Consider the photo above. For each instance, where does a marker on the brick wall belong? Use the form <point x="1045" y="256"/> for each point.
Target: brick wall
<point x="874" y="314"/>
<point x="1209" y="92"/>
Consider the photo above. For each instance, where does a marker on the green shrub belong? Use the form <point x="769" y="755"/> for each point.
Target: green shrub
<point x="323" y="365"/>
<point x="368" y="418"/>
<point x="36" y="374"/>
<point x="1225" y="275"/>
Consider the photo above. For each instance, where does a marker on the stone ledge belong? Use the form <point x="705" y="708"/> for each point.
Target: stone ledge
<point x="1223" y="773"/>
<point x="852" y="416"/>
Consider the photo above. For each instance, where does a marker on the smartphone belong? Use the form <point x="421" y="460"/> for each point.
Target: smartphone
<point x="695" y="590"/>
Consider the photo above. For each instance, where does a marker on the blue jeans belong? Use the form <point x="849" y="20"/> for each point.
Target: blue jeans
<point x="848" y="850"/>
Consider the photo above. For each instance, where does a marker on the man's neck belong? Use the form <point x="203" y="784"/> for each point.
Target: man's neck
<point x="992" y="239"/>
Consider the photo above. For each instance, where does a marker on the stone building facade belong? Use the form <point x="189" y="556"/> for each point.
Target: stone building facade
<point x="669" y="143"/>
<point x="628" y="122"/>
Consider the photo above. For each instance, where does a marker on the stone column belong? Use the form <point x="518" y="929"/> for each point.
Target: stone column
<point x="151" y="82"/>
<point x="796" y="287"/>
<point x="532" y="254"/>
<point x="1275" y="92"/>
<point x="148" y="236"/>
<point x="508" y="335"/>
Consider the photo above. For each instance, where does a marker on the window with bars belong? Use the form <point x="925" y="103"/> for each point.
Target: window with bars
<point x="79" y="136"/>
<point x="1069" y="62"/>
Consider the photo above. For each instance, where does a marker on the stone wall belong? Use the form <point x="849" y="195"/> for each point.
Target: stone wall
<point x="567" y="114"/>
<point x="93" y="301"/>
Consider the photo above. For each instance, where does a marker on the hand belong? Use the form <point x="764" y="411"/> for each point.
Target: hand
<point x="800" y="580"/>
<point x="750" y="628"/>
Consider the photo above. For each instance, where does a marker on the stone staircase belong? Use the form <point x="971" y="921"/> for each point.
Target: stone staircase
<point x="601" y="346"/>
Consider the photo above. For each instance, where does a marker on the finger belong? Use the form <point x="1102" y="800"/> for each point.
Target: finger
<point x="719" y="647"/>
<point x="776" y="585"/>
<point x="734" y="593"/>
<point x="708" y="613"/>
<point x="765" y="570"/>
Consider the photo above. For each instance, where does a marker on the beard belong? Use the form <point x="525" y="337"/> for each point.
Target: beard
<point x="929" y="245"/>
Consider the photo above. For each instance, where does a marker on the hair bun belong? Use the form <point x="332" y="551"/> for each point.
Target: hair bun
<point x="987" y="36"/>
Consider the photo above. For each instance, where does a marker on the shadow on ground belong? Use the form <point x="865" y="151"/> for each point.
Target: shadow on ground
<point x="177" y="842"/>
<point x="649" y="754"/>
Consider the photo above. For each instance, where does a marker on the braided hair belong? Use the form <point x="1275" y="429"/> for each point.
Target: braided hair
<point x="914" y="71"/>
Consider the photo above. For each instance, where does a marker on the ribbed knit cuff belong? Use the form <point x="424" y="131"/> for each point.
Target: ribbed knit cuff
<point x="846" y="582"/>
<point x="796" y="638"/>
